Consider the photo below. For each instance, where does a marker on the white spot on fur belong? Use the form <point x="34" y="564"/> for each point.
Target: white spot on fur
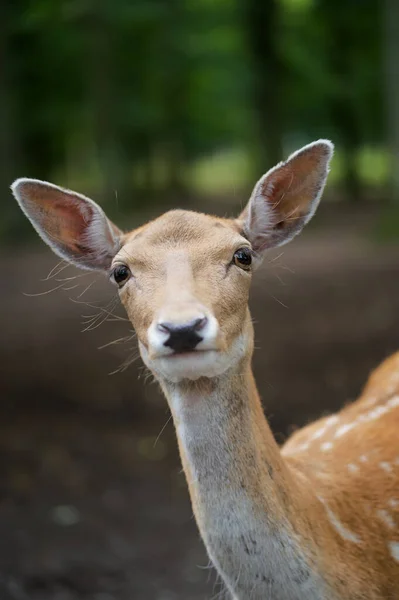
<point x="352" y="468"/>
<point x="376" y="413"/>
<point x="393" y="503"/>
<point x="386" y="518"/>
<point x="344" y="429"/>
<point x="373" y="414"/>
<point x="326" y="446"/>
<point x="338" y="526"/>
<point x="302" y="447"/>
<point x="328" y="423"/>
<point x="386" y="466"/>
<point x="319" y="433"/>
<point x="394" y="548"/>
<point x="393" y="402"/>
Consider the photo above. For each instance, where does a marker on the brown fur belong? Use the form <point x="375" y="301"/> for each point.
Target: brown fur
<point x="367" y="569"/>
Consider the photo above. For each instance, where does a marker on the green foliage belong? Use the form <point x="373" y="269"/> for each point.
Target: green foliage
<point x="148" y="97"/>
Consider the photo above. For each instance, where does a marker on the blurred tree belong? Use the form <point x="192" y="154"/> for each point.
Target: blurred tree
<point x="122" y="98"/>
<point x="175" y="61"/>
<point x="102" y="96"/>
<point x="391" y="36"/>
<point x="9" y="131"/>
<point x="263" y="34"/>
<point x="352" y="54"/>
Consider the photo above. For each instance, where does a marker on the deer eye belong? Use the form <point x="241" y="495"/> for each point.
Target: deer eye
<point x="243" y="258"/>
<point x="121" y="274"/>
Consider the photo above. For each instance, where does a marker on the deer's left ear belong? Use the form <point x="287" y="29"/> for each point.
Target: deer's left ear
<point x="286" y="197"/>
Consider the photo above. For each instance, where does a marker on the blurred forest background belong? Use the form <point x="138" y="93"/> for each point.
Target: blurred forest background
<point x="146" y="99"/>
<point x="147" y="105"/>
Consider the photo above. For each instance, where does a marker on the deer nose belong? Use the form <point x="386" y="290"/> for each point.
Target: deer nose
<point x="183" y="337"/>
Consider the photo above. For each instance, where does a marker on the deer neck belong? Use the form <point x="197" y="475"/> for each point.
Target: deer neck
<point x="241" y="490"/>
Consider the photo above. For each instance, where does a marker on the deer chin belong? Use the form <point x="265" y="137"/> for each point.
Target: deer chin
<point x="176" y="367"/>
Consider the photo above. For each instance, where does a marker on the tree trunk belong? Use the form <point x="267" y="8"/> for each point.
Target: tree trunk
<point x="391" y="37"/>
<point x="11" y="163"/>
<point x="262" y="22"/>
<point x="175" y="99"/>
<point x="102" y="98"/>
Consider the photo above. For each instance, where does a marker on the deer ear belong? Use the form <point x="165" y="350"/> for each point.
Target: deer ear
<point x="286" y="197"/>
<point x="74" y="226"/>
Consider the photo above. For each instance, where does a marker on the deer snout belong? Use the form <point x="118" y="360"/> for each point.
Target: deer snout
<point x="183" y="338"/>
<point x="182" y="333"/>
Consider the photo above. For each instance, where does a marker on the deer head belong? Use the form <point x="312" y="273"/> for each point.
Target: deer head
<point x="184" y="278"/>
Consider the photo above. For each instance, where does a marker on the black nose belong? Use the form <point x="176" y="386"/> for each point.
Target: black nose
<point x="183" y="338"/>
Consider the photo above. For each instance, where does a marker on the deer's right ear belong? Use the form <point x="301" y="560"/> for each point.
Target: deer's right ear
<point x="74" y="226"/>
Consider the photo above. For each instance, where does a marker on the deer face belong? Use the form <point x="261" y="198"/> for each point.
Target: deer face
<point x="185" y="286"/>
<point x="184" y="278"/>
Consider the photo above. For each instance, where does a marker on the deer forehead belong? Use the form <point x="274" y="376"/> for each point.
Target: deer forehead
<point x="197" y="237"/>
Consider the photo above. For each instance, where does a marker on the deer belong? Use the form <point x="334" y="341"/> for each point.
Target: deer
<point x="318" y="518"/>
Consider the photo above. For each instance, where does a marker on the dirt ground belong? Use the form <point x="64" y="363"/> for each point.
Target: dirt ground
<point x="93" y="504"/>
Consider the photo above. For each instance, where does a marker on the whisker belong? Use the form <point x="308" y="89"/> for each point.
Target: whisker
<point x="280" y="279"/>
<point x="117" y="318"/>
<point x="129" y="361"/>
<point x="58" y="287"/>
<point x="272" y="260"/>
<point x="91" y="305"/>
<point x="86" y="289"/>
<point x="287" y="268"/>
<point x="52" y="272"/>
<point x="162" y="430"/>
<point x="148" y="376"/>
<point x="222" y="593"/>
<point x="142" y="371"/>
<point x="121" y="340"/>
<point x="277" y="300"/>
<point x="73" y="277"/>
<point x="205" y="567"/>
<point x="93" y="317"/>
<point x="108" y="309"/>
<point x="94" y="321"/>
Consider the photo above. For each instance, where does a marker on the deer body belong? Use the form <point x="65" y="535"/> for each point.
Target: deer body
<point x="317" y="520"/>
